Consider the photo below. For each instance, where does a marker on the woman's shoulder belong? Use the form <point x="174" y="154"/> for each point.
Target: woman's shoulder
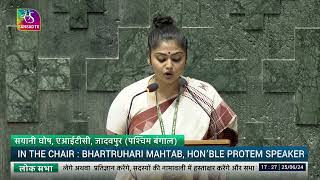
<point x="200" y="85"/>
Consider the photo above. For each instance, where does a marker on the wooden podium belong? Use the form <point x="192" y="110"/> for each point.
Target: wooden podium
<point x="216" y="142"/>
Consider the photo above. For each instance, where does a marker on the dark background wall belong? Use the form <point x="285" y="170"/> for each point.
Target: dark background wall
<point x="262" y="55"/>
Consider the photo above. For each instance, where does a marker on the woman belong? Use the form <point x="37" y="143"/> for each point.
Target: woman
<point x="194" y="109"/>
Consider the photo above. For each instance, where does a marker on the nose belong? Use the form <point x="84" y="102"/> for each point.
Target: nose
<point x="169" y="64"/>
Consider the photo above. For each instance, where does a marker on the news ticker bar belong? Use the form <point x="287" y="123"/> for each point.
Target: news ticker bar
<point x="53" y="167"/>
<point x="183" y="153"/>
<point x="103" y="168"/>
<point x="95" y="140"/>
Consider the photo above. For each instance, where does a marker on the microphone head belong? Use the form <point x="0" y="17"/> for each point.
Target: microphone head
<point x="152" y="87"/>
<point x="183" y="82"/>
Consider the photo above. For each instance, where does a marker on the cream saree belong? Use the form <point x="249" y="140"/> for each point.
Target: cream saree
<point x="192" y="121"/>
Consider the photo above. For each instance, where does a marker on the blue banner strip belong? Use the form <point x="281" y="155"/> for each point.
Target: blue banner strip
<point x="188" y="153"/>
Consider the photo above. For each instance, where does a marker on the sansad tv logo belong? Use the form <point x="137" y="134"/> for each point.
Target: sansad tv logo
<point x="28" y="20"/>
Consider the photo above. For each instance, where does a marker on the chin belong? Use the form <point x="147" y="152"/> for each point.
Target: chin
<point x="171" y="81"/>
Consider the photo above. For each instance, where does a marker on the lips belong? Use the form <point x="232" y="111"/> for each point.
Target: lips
<point x="168" y="75"/>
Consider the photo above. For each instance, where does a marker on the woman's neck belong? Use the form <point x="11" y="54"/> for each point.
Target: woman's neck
<point x="167" y="90"/>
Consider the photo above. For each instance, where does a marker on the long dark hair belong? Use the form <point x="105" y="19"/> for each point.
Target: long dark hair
<point x="164" y="28"/>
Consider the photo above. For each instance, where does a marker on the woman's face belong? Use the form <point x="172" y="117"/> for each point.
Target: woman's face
<point x="168" y="61"/>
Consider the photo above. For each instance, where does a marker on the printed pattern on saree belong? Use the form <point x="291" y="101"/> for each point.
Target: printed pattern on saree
<point x="145" y="120"/>
<point x="221" y="116"/>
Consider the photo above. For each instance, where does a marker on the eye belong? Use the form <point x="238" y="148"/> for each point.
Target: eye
<point x="161" y="58"/>
<point x="176" y="59"/>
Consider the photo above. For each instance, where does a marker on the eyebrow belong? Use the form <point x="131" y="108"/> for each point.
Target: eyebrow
<point x="167" y="54"/>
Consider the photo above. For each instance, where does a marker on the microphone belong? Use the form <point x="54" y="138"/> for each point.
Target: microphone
<point x="150" y="88"/>
<point x="184" y="83"/>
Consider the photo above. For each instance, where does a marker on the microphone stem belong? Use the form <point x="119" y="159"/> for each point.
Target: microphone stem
<point x="128" y="116"/>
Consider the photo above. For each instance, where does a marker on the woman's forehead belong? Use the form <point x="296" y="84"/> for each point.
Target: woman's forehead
<point x="168" y="47"/>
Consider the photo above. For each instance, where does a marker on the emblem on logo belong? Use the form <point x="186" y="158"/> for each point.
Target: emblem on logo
<point x="28" y="20"/>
